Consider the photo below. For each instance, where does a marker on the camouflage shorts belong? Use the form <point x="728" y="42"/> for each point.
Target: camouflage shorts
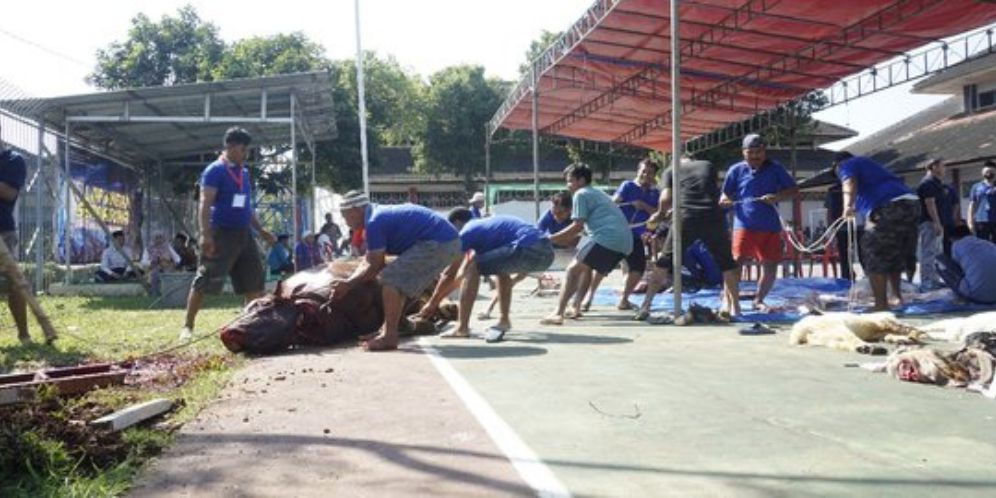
<point x="890" y="235"/>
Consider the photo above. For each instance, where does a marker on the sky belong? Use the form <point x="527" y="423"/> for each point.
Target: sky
<point x="47" y="55"/>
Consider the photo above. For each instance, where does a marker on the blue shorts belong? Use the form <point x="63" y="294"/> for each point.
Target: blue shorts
<point x="507" y="260"/>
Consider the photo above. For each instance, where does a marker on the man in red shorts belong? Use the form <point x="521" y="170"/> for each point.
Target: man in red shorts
<point x="753" y="187"/>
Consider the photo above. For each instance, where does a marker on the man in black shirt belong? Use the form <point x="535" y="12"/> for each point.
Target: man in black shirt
<point x="701" y="219"/>
<point x="12" y="174"/>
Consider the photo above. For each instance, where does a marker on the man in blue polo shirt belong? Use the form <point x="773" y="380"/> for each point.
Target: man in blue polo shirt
<point x="424" y="243"/>
<point x="982" y="205"/>
<point x="12" y="174"/>
<point x="754" y="187"/>
<point x="638" y="199"/>
<point x="891" y="211"/>
<point x="227" y="218"/>
<point x="500" y="246"/>
<point x="609" y="240"/>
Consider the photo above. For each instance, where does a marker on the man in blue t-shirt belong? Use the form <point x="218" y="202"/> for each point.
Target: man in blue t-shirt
<point x="227" y="218"/>
<point x="558" y="217"/>
<point x="982" y="205"/>
<point x="609" y="240"/>
<point x="891" y="211"/>
<point x="424" y="243"/>
<point x="968" y="271"/>
<point x="638" y="199"/>
<point x="933" y="204"/>
<point x="12" y="175"/>
<point x="500" y="246"/>
<point x="279" y="259"/>
<point x="754" y="187"/>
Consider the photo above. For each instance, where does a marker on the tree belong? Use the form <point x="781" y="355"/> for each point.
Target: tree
<point x="536" y="48"/>
<point x="177" y="49"/>
<point x="458" y="103"/>
<point x="266" y="56"/>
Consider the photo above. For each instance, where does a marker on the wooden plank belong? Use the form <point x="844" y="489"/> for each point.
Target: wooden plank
<point x="132" y="415"/>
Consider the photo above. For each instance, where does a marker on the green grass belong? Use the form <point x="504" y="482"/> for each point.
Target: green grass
<point x="96" y="330"/>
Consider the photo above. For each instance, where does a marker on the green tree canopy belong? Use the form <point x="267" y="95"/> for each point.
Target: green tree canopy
<point x="458" y="102"/>
<point x="177" y="49"/>
<point x="266" y="56"/>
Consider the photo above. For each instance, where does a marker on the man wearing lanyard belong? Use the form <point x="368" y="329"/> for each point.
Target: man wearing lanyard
<point x="226" y="214"/>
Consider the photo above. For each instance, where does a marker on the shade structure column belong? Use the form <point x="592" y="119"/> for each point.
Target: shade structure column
<point x="676" y="154"/>
<point x="67" y="219"/>
<point x="293" y="159"/>
<point x="536" y="199"/>
<point x="487" y="168"/>
<point x="39" y="213"/>
<point x="362" y="103"/>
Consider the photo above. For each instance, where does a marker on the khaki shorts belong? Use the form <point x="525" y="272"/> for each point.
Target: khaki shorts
<point x="235" y="256"/>
<point x="415" y="269"/>
<point x="9" y="238"/>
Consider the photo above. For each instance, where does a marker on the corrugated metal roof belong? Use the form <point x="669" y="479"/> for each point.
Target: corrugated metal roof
<point x="153" y="141"/>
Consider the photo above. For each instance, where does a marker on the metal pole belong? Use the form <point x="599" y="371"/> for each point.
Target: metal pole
<point x="362" y="103"/>
<point x="536" y="198"/>
<point x="676" y="154"/>
<point x="293" y="138"/>
<point x="67" y="219"/>
<point x="314" y="187"/>
<point x="40" y="214"/>
<point x="487" y="168"/>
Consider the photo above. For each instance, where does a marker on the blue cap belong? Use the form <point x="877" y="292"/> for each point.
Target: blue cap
<point x="753" y="141"/>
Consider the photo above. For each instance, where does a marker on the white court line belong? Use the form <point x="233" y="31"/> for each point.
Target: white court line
<point x="532" y="470"/>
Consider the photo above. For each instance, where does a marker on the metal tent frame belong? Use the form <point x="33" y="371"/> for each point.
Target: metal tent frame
<point x="628" y="73"/>
<point x="182" y="124"/>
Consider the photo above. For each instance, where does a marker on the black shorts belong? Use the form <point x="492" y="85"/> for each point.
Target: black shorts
<point x="636" y="260"/>
<point x="712" y="234"/>
<point x="598" y="257"/>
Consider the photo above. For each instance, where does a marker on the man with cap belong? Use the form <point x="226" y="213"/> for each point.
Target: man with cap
<point x="754" y="187"/>
<point x="891" y="211"/>
<point x="477" y="204"/>
<point x="499" y="246"/>
<point x="982" y="205"/>
<point x="227" y="219"/>
<point x="424" y="243"/>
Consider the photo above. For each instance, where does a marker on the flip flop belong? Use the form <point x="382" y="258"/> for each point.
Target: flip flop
<point x="552" y="320"/>
<point x="641" y="316"/>
<point x="454" y="334"/>
<point x="757" y="328"/>
<point x="495" y="334"/>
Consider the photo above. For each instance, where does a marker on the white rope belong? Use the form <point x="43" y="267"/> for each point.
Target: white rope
<point x="852" y="252"/>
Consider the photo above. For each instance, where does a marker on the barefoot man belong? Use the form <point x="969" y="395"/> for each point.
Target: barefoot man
<point x="424" y="243"/>
<point x="609" y="240"/>
<point x="500" y="246"/>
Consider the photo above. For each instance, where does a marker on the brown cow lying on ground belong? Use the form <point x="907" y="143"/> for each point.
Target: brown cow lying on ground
<point x="300" y="312"/>
<point x="854" y="332"/>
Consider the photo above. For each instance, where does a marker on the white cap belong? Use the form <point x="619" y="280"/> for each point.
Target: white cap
<point x="478" y="197"/>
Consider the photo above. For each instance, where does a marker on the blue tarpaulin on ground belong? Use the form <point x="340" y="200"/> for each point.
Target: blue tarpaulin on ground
<point x="785" y="298"/>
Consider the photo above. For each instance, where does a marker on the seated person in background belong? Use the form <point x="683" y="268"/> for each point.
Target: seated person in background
<point x="183" y="249"/>
<point x="114" y="262"/>
<point x="279" y="259"/>
<point x="969" y="269"/>
<point x="157" y="258"/>
<point x="306" y="253"/>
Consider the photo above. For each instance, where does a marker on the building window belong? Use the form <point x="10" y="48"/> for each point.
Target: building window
<point x="987" y="99"/>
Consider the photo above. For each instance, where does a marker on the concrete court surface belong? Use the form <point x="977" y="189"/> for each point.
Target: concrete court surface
<point x="610" y="407"/>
